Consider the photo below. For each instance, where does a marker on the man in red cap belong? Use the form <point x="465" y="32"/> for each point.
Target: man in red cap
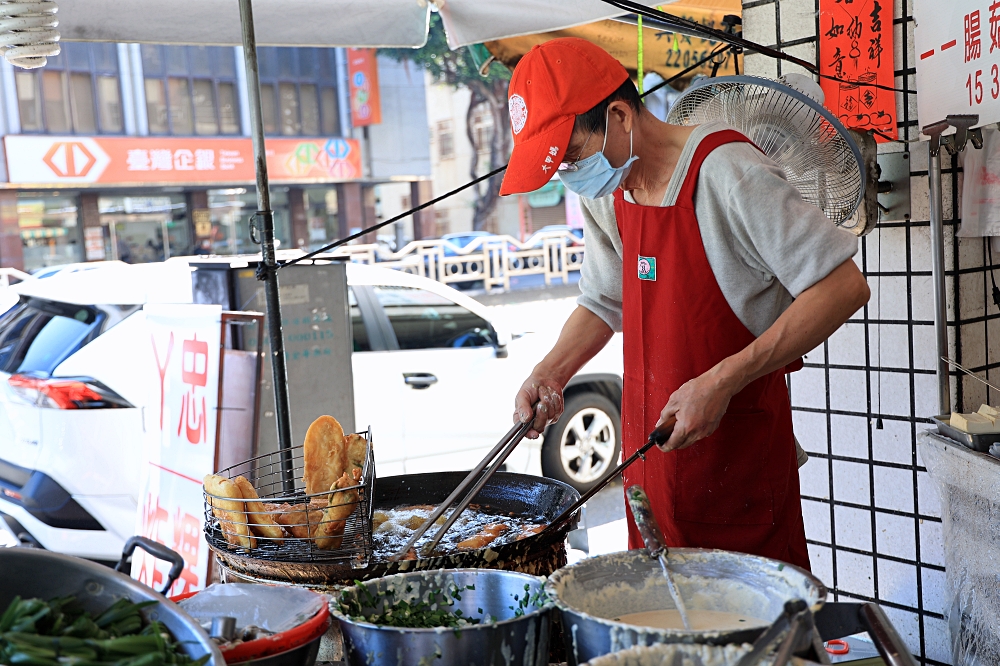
<point x="718" y="274"/>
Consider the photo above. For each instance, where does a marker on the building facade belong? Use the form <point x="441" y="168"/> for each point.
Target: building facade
<point x="142" y="152"/>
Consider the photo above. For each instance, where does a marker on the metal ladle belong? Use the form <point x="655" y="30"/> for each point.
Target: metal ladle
<point x="642" y="513"/>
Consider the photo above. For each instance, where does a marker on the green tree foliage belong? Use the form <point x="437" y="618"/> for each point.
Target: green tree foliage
<point x="458" y="68"/>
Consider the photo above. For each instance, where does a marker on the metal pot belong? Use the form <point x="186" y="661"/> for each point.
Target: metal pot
<point x="510" y="641"/>
<point x="505" y="493"/>
<point x="31" y="572"/>
<point x="590" y="593"/>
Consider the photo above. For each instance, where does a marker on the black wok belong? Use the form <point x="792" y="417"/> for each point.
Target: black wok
<point x="504" y="493"/>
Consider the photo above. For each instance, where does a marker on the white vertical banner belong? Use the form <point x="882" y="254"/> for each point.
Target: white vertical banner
<point x="179" y="444"/>
<point x="958" y="59"/>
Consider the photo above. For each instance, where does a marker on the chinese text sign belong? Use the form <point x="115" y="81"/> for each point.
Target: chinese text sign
<point x="958" y="59"/>
<point x="362" y="73"/>
<point x="179" y="448"/>
<point x="855" y="49"/>
<point x="161" y="160"/>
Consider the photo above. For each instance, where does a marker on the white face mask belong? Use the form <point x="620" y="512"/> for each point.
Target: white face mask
<point x="594" y="177"/>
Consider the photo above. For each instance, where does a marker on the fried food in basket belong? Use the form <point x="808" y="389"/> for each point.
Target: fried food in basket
<point x="324" y="453"/>
<point x="330" y="532"/>
<point x="230" y="511"/>
<point x="297" y="519"/>
<point x="328" y="454"/>
<point x="262" y="523"/>
<point x="357" y="451"/>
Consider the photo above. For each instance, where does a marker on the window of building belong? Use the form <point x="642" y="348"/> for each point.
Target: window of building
<point x="49" y="232"/>
<point x="229" y="210"/>
<point x="78" y="92"/>
<point x="482" y="128"/>
<point x="446" y="140"/>
<point x="190" y="90"/>
<point x="299" y="91"/>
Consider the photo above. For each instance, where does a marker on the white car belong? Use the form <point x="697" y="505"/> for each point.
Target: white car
<point x="70" y="403"/>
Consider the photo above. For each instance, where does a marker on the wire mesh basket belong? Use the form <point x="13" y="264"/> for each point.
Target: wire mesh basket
<point x="289" y="525"/>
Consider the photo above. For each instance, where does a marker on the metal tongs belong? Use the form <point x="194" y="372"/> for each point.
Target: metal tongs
<point x="470" y="486"/>
<point x="796" y="625"/>
<point x="656" y="438"/>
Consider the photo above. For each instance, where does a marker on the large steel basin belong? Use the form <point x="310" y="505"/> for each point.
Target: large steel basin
<point x="510" y="641"/>
<point x="594" y="591"/>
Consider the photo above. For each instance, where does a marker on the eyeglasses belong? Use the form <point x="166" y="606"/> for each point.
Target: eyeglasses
<point x="572" y="165"/>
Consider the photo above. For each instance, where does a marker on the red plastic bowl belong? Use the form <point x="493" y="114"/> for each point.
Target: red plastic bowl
<point x="268" y="646"/>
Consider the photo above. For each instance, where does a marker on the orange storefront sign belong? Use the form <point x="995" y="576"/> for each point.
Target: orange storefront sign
<point x="49" y="160"/>
<point x="362" y="72"/>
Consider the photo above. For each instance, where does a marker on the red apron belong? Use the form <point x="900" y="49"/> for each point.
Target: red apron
<point x="737" y="489"/>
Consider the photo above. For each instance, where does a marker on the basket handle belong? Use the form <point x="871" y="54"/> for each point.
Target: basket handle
<point x="157" y="550"/>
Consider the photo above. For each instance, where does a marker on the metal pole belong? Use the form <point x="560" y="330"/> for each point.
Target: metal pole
<point x="262" y="231"/>
<point x="937" y="276"/>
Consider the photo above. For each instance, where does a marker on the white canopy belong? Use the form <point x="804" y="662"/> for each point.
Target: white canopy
<point x="361" y="23"/>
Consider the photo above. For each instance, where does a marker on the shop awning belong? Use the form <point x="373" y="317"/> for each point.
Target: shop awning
<point x="361" y="23"/>
<point x="664" y="52"/>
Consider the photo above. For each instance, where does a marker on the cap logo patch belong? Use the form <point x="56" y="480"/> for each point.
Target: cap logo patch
<point x="518" y="113"/>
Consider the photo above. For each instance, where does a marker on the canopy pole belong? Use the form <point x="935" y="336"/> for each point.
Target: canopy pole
<point x="262" y="232"/>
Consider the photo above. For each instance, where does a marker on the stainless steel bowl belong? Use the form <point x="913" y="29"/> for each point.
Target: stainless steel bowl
<point x="509" y="641"/>
<point x="31" y="572"/>
<point x="594" y="591"/>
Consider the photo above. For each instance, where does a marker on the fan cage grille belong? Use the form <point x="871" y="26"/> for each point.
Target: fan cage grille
<point x="816" y="158"/>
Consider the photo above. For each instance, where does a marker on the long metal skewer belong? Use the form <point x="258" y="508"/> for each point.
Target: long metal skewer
<point x="969" y="372"/>
<point x="658" y="436"/>
<point x="462" y="487"/>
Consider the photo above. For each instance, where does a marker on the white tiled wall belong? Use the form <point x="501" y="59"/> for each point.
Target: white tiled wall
<point x="872" y="516"/>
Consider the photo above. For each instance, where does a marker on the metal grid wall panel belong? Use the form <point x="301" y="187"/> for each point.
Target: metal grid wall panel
<point x="872" y="515"/>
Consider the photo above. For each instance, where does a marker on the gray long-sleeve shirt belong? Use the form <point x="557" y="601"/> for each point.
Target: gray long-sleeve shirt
<point x="764" y="244"/>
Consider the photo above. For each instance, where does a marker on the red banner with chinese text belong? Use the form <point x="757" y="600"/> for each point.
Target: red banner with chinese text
<point x="362" y="73"/>
<point x="855" y="49"/>
<point x="180" y="443"/>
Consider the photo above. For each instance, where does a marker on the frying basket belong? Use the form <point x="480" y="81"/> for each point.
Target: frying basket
<point x="264" y="472"/>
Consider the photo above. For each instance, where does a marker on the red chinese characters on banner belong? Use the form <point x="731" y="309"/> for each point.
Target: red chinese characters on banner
<point x="855" y="56"/>
<point x="182" y="534"/>
<point x="194" y="373"/>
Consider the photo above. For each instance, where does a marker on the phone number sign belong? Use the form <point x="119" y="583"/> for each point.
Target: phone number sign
<point x="957" y="45"/>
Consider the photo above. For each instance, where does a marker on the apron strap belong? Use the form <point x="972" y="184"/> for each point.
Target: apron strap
<point x="686" y="196"/>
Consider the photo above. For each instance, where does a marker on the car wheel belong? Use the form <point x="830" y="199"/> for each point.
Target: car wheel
<point x="585" y="443"/>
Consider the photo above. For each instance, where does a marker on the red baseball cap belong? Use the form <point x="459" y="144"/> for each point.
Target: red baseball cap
<point x="552" y="84"/>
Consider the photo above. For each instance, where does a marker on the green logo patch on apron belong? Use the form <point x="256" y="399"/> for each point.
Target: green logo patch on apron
<point x="647" y="268"/>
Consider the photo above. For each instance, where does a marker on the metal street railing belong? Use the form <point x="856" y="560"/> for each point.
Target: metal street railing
<point x="492" y="259"/>
<point x="8" y="274"/>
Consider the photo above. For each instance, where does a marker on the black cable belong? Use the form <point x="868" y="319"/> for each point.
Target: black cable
<point x="685" y="71"/>
<point x="376" y="227"/>
<point x="705" y="32"/>
<point x="993" y="277"/>
<point x="878" y="327"/>
<point x="862" y="84"/>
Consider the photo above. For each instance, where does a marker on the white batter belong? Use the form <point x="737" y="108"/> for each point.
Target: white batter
<point x="701" y="620"/>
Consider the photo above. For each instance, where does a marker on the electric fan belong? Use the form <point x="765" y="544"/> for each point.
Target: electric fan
<point x="787" y="121"/>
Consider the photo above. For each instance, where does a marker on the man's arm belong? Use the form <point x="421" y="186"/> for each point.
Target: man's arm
<point x="583" y="335"/>
<point x="811" y="318"/>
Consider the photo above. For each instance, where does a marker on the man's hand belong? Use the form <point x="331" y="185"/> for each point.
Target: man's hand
<point x="545" y="389"/>
<point x="698" y="406"/>
<point x="582" y="336"/>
